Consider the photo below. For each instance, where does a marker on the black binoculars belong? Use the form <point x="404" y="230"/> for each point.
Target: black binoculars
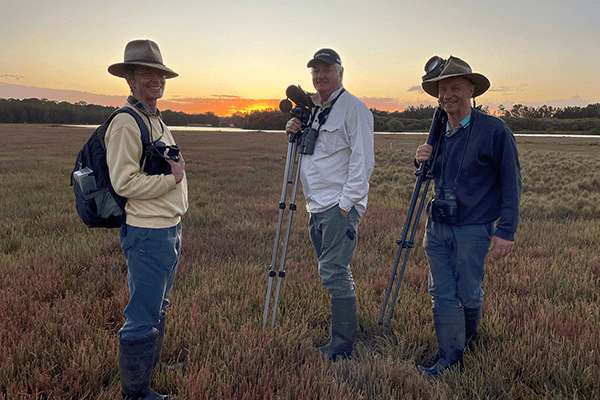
<point x="444" y="208"/>
<point x="169" y="152"/>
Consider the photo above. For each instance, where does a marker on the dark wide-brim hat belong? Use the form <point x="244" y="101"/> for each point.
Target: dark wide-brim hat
<point x="455" y="67"/>
<point x="142" y="52"/>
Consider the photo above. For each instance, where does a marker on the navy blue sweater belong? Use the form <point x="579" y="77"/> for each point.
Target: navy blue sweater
<point x="489" y="186"/>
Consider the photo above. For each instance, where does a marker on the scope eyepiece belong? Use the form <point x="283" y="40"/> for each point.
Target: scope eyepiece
<point x="433" y="67"/>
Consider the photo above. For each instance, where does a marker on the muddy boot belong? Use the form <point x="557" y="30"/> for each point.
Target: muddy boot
<point x="450" y="331"/>
<point x="136" y="362"/>
<point x="159" y="340"/>
<point x="157" y="364"/>
<point x="472" y="317"/>
<point x="344" y="323"/>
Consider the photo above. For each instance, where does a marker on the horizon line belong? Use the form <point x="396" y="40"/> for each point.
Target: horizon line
<point x="228" y="105"/>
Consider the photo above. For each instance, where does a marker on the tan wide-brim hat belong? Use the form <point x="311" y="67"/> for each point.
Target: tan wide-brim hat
<point x="455" y="67"/>
<point x="142" y="52"/>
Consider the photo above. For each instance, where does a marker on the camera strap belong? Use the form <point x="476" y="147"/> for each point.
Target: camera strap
<point x="322" y="117"/>
<point x="471" y="122"/>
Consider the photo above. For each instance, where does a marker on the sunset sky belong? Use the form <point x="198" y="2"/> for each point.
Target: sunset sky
<point x="240" y="55"/>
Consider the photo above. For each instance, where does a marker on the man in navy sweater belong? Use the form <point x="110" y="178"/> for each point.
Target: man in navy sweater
<point x="475" y="209"/>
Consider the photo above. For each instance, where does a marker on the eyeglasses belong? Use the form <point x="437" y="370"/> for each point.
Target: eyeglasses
<point x="149" y="74"/>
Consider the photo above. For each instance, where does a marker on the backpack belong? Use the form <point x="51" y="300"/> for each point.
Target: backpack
<point x="97" y="203"/>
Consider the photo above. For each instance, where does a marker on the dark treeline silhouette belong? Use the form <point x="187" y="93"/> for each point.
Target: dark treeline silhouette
<point x="412" y="119"/>
<point x="521" y="111"/>
<point x="44" y="111"/>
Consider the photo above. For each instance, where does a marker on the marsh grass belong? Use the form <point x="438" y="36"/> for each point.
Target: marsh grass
<point x="63" y="285"/>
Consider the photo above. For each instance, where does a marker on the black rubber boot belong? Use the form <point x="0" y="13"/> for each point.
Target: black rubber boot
<point x="344" y="323"/>
<point x="159" y="365"/>
<point x="159" y="340"/>
<point x="136" y="362"/>
<point x="472" y="317"/>
<point x="450" y="331"/>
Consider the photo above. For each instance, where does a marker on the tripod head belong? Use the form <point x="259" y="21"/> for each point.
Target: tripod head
<point x="307" y="136"/>
<point x="303" y="104"/>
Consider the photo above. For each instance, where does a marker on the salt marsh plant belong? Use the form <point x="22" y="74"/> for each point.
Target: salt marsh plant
<point x="63" y="285"/>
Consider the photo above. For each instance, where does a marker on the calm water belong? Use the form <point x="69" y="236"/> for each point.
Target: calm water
<point x="226" y="129"/>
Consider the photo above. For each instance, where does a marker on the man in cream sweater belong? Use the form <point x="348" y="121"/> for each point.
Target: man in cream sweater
<point x="157" y="198"/>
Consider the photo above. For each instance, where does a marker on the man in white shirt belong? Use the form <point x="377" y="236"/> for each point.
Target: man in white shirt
<point x="335" y="180"/>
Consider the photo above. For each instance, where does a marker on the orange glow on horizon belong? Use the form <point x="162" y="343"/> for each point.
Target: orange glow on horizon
<point x="223" y="106"/>
<point x="220" y="106"/>
<point x="262" y="106"/>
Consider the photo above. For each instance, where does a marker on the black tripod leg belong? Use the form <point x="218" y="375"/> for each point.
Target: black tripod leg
<point x="401" y="245"/>
<point x="424" y="172"/>
<point x="409" y="245"/>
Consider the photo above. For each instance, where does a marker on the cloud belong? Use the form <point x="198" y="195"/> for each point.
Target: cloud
<point x="509" y="90"/>
<point x="416" y="89"/>
<point x="218" y="104"/>
<point x="391" y="104"/>
<point x="15" y="77"/>
<point x="11" y="91"/>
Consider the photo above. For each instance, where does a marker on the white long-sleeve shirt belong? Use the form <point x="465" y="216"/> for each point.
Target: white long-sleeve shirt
<point x="339" y="170"/>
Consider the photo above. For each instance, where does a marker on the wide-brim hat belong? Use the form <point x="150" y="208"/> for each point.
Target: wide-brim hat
<point x="455" y="67"/>
<point x="142" y="52"/>
<point x="328" y="56"/>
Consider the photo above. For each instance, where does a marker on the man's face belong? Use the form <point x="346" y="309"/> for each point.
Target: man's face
<point x="326" y="79"/>
<point x="455" y="94"/>
<point x="147" y="84"/>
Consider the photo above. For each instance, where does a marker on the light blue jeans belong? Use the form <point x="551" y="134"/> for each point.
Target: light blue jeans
<point x="152" y="256"/>
<point x="456" y="256"/>
<point x="334" y="237"/>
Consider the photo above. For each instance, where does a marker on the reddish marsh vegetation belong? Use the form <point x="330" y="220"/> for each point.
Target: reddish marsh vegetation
<point x="63" y="286"/>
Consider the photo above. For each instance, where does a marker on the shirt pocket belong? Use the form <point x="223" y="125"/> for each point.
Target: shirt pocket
<point x="333" y="135"/>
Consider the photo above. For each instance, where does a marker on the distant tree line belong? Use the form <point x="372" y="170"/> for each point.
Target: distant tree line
<point x="418" y="119"/>
<point x="521" y="111"/>
<point x="412" y="119"/>
<point x="44" y="111"/>
<point x="552" y="119"/>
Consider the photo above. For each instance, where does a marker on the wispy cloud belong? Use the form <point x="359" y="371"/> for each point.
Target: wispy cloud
<point x="218" y="104"/>
<point x="508" y="89"/>
<point x="391" y="104"/>
<point x="15" y="77"/>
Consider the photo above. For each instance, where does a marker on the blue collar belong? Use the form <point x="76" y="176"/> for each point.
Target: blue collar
<point x="463" y="124"/>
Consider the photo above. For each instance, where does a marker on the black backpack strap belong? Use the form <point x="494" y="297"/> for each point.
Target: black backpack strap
<point x="141" y="124"/>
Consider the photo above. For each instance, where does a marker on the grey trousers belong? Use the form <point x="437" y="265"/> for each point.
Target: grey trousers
<point x="334" y="237"/>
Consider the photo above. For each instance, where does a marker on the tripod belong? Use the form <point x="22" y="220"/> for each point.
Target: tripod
<point x="296" y="148"/>
<point x="423" y="173"/>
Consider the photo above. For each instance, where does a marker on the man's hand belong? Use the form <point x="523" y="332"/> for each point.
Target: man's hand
<point x="177" y="168"/>
<point x="500" y="247"/>
<point x="423" y="153"/>
<point x="293" y="126"/>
